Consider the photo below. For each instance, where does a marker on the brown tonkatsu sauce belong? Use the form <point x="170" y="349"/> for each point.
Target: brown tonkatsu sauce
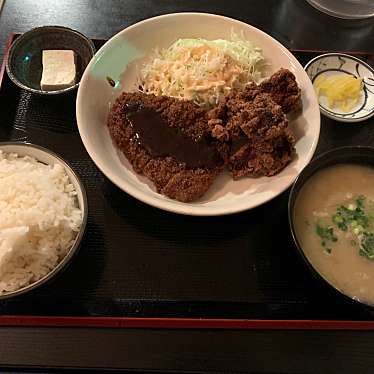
<point x="161" y="140"/>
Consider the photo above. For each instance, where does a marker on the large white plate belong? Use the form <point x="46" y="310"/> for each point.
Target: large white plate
<point x="135" y="43"/>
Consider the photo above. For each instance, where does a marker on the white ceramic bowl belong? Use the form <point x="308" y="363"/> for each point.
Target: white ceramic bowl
<point x="120" y="59"/>
<point x="339" y="63"/>
<point x="48" y="157"/>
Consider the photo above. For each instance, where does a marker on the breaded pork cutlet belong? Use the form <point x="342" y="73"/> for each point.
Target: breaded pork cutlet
<point x="268" y="145"/>
<point x="181" y="148"/>
<point x="283" y="88"/>
<point x="253" y="121"/>
<point x="176" y="172"/>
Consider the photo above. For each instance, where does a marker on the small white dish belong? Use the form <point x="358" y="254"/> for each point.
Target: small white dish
<point x="46" y="156"/>
<point x="120" y="58"/>
<point x="332" y="63"/>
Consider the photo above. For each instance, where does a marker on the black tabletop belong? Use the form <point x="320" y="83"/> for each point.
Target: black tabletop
<point x="297" y="25"/>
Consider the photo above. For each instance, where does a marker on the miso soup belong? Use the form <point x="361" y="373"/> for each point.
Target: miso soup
<point x="334" y="224"/>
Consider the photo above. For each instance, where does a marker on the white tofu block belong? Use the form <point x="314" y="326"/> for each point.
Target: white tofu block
<point x="58" y="69"/>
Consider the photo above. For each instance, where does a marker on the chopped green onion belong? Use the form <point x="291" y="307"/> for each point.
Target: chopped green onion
<point x="353" y="218"/>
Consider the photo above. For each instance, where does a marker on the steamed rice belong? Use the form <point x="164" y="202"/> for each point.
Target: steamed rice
<point x="39" y="219"/>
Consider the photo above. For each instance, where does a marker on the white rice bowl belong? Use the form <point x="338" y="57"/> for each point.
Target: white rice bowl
<point x="39" y="219"/>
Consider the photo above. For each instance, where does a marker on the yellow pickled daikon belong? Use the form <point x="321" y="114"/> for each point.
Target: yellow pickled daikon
<point x="341" y="90"/>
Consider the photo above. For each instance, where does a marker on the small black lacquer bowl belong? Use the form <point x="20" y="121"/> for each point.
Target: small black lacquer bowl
<point x="361" y="155"/>
<point x="24" y="63"/>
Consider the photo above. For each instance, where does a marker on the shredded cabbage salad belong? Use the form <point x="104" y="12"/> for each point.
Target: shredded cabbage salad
<point x="202" y="70"/>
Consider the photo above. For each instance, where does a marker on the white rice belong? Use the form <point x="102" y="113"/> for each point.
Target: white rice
<point x="39" y="219"/>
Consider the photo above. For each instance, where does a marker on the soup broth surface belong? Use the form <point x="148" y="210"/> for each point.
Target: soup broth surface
<point x="334" y="224"/>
